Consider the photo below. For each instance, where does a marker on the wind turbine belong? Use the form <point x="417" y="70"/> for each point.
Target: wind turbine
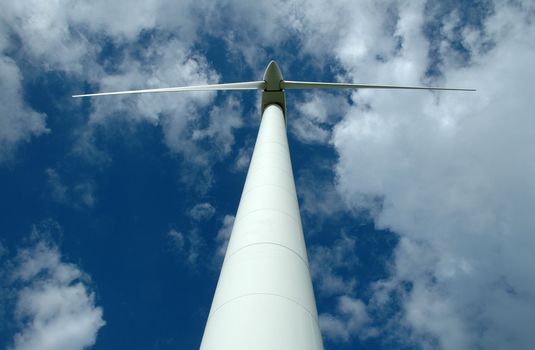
<point x="264" y="298"/>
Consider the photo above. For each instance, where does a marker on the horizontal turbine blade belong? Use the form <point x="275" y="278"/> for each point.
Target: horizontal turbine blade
<point x="249" y="85"/>
<point x="286" y="84"/>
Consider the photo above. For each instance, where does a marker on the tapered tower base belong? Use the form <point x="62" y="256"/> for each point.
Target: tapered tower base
<point x="264" y="298"/>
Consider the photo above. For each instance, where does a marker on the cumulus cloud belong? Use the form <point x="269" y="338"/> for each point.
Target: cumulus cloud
<point x="450" y="173"/>
<point x="70" y="37"/>
<point x="67" y="35"/>
<point x="55" y="307"/>
<point x="453" y="176"/>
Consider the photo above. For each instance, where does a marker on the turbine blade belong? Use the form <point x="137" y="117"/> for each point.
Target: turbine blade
<point x="249" y="85"/>
<point x="286" y="84"/>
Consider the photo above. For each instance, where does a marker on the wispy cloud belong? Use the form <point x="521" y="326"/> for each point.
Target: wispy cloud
<point x="79" y="194"/>
<point x="317" y="115"/>
<point x="202" y="211"/>
<point x="188" y="246"/>
<point x="329" y="266"/>
<point x="18" y="122"/>
<point x="351" y="320"/>
<point x="223" y="235"/>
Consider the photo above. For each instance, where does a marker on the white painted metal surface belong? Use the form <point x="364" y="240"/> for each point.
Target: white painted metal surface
<point x="264" y="298"/>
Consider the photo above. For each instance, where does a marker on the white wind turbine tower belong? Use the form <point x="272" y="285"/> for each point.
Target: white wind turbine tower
<point x="264" y="298"/>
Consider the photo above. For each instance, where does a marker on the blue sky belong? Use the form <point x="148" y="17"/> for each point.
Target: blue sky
<point x="417" y="206"/>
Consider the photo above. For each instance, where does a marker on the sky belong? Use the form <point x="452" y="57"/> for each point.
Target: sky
<point x="417" y="206"/>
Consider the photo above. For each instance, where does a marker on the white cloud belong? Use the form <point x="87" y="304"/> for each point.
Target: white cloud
<point x="57" y="188"/>
<point x="178" y="114"/>
<point x="454" y="174"/>
<point x="177" y="238"/>
<point x="18" y="122"/>
<point x="316" y="117"/>
<point x="54" y="306"/>
<point x="241" y="163"/>
<point x="187" y="246"/>
<point x="351" y="321"/>
<point x="451" y="173"/>
<point x="181" y="116"/>
<point x="202" y="211"/>
<point x="329" y="266"/>
<point x="223" y="120"/>
<point x="319" y="199"/>
<point x="190" y="246"/>
<point x="46" y="33"/>
<point x="80" y="194"/>
<point x="223" y="235"/>
<point x="69" y="36"/>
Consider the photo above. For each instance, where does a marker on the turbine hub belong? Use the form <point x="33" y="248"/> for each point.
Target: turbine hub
<point x="273" y="77"/>
<point x="273" y="92"/>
